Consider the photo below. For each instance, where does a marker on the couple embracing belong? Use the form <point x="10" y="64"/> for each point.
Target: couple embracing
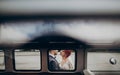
<point x="65" y="64"/>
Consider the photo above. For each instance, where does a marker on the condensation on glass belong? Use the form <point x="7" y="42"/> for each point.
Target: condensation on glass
<point x="2" y="61"/>
<point x="27" y="59"/>
<point x="100" y="61"/>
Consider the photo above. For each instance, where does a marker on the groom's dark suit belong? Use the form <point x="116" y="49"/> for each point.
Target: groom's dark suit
<point x="53" y="64"/>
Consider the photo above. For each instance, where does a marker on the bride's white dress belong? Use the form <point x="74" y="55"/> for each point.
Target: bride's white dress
<point x="66" y="66"/>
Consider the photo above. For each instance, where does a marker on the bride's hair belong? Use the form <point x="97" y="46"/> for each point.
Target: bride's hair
<point x="67" y="52"/>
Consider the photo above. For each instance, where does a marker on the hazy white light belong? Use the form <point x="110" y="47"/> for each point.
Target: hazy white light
<point x="10" y="36"/>
<point x="92" y="32"/>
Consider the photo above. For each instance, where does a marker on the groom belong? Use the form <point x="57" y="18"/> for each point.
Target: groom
<point x="53" y="63"/>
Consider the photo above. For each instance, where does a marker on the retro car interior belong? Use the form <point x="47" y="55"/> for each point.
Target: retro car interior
<point x="87" y="29"/>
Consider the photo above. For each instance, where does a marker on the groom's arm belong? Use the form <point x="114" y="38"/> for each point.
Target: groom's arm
<point x="53" y="66"/>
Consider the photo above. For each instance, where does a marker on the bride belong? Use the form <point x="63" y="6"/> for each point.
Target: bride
<point x="65" y="64"/>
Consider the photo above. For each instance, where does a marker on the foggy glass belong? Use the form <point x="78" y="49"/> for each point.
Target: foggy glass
<point x="2" y="62"/>
<point x="27" y="59"/>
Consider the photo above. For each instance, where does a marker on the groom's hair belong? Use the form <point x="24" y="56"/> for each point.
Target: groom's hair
<point x="50" y="51"/>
